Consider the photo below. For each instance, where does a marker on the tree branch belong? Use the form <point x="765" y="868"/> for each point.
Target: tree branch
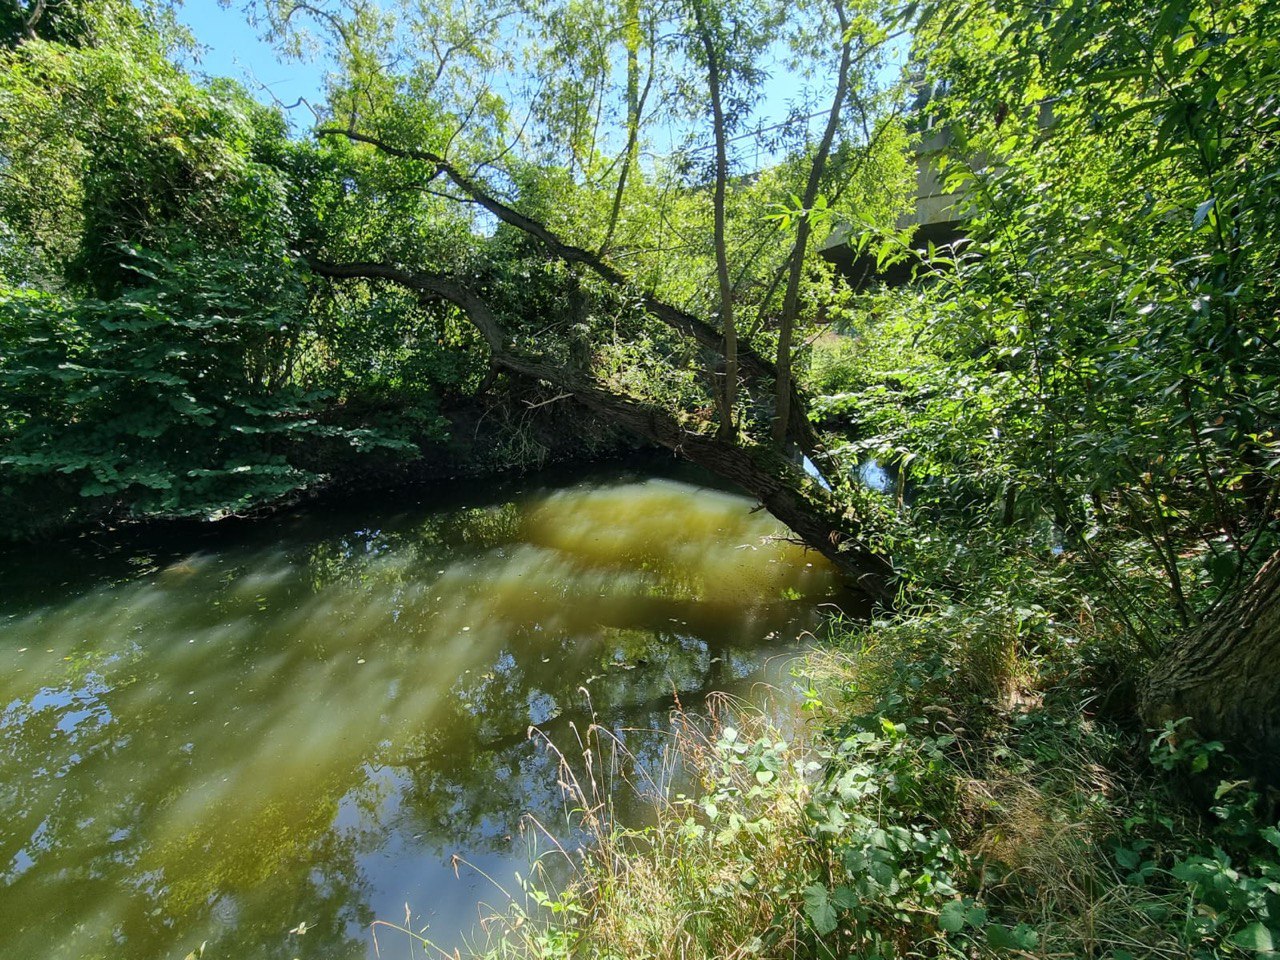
<point x="692" y="326"/>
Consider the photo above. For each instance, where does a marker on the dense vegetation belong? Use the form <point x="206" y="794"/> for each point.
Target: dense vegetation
<point x="203" y="312"/>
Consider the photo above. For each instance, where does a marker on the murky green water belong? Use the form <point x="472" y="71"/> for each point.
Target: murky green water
<point x="303" y="722"/>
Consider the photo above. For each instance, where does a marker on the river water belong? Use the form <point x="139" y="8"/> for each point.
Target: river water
<point x="266" y="739"/>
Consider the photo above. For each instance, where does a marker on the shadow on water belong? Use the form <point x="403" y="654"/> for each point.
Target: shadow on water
<point x="304" y="723"/>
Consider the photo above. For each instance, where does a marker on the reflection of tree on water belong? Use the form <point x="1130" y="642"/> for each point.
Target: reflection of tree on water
<point x="102" y="854"/>
<point x="403" y="551"/>
<point x="230" y="746"/>
<point x="476" y="774"/>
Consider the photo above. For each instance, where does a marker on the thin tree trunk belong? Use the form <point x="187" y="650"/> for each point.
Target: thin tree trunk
<point x="33" y="18"/>
<point x="791" y="299"/>
<point x="635" y="104"/>
<point x="729" y="388"/>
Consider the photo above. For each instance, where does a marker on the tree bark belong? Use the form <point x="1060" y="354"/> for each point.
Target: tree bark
<point x="1225" y="676"/>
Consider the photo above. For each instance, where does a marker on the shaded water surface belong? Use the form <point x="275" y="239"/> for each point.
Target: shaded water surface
<point x="304" y="725"/>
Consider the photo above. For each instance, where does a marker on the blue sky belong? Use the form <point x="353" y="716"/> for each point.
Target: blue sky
<point x="232" y="48"/>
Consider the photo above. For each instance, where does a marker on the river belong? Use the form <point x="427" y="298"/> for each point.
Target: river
<point x="265" y="737"/>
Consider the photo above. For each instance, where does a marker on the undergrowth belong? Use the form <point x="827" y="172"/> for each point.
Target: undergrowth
<point x="952" y="794"/>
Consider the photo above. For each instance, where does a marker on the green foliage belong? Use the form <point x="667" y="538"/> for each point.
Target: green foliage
<point x="74" y="23"/>
<point x="174" y="398"/>
<point x="1171" y="750"/>
<point x="783" y="851"/>
<point x="879" y="809"/>
<point x="1096" y="363"/>
<point x="1069" y="845"/>
<point x="1075" y="479"/>
<point x="110" y="143"/>
<point x="1233" y="876"/>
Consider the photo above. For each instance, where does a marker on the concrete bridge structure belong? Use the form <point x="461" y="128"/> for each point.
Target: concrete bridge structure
<point x="936" y="216"/>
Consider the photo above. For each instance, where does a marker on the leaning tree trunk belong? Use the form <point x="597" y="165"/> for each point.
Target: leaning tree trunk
<point x="794" y="498"/>
<point x="816" y="517"/>
<point x="1225" y="676"/>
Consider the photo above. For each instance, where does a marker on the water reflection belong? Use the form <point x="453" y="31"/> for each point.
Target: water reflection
<point x="253" y="737"/>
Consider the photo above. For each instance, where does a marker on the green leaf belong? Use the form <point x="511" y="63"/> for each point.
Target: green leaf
<point x="1255" y="937"/>
<point x="845" y="898"/>
<point x="951" y="917"/>
<point x="1272" y="836"/>
<point x="1021" y="937"/>
<point x="1127" y="858"/>
<point x="819" y="909"/>
<point x="1202" y="211"/>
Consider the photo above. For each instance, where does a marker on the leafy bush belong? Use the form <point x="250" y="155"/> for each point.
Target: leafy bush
<point x="172" y="399"/>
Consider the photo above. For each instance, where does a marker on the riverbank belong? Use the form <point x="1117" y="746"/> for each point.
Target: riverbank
<point x="485" y="438"/>
<point x="961" y="789"/>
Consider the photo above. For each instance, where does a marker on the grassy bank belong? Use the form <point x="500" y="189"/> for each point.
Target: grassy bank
<point x="956" y="790"/>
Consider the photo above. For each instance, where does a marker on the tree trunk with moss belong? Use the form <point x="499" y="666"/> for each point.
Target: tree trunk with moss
<point x="1225" y="676"/>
